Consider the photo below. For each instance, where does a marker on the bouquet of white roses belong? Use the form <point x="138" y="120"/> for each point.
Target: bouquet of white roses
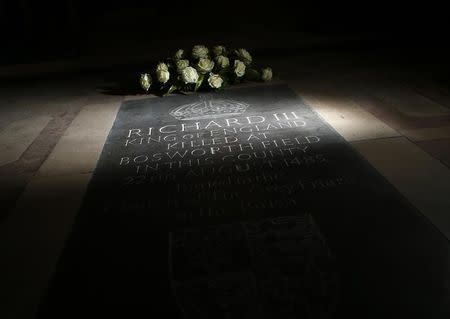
<point x="203" y="69"/>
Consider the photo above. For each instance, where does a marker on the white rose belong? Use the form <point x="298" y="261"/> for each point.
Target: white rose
<point x="162" y="67"/>
<point x="179" y="54"/>
<point x="215" y="81"/>
<point x="182" y="64"/>
<point x="145" y="81"/>
<point x="162" y="76"/>
<point x="189" y="75"/>
<point x="244" y="55"/>
<point x="239" y="68"/>
<point x="222" y="61"/>
<point x="205" y="65"/>
<point x="199" y="51"/>
<point x="266" y="74"/>
<point x="219" y="50"/>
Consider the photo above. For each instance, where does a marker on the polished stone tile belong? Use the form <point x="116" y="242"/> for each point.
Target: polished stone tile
<point x="410" y="102"/>
<point x="348" y="119"/>
<point x="426" y="134"/>
<point x="439" y="149"/>
<point x="79" y="148"/>
<point x="18" y="135"/>
<point x="422" y="179"/>
<point x="10" y="188"/>
<point x="333" y="101"/>
<point x="434" y="92"/>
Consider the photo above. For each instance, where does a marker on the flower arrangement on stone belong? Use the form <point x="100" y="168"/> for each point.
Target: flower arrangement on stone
<point x="203" y="69"/>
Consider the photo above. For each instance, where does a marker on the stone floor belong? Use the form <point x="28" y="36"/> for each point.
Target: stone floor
<point x="52" y="131"/>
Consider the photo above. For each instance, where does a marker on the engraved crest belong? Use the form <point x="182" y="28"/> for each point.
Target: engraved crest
<point x="209" y="108"/>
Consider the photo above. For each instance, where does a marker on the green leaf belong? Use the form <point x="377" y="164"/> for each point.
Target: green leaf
<point x="224" y="72"/>
<point x="226" y="79"/>
<point x="252" y="75"/>
<point x="171" y="89"/>
<point x="201" y="77"/>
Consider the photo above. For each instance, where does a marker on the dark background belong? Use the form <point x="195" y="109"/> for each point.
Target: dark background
<point x="34" y="31"/>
